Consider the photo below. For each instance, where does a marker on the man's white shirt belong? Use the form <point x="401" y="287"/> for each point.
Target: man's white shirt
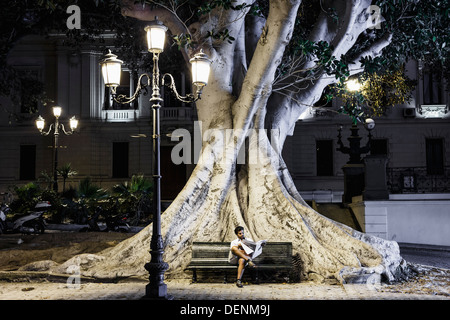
<point x="235" y="243"/>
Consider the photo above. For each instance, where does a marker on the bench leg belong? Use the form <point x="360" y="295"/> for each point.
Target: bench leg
<point x="225" y="279"/>
<point x="255" y="276"/>
<point x="194" y="275"/>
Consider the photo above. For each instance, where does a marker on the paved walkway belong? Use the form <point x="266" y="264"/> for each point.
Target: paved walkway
<point x="184" y="290"/>
<point x="218" y="300"/>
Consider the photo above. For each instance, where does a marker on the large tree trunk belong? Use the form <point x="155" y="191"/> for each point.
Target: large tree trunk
<point x="260" y="197"/>
<point x="258" y="194"/>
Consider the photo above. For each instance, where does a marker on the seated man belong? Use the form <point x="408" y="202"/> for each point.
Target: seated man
<point x="238" y="254"/>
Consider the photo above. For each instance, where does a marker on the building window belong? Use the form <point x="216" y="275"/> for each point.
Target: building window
<point x="120" y="160"/>
<point x="174" y="175"/>
<point x="170" y="100"/>
<point x="128" y="83"/>
<point x="27" y="162"/>
<point x="432" y="86"/>
<point x="379" y="147"/>
<point x="324" y="157"/>
<point x="435" y="156"/>
<point x="31" y="88"/>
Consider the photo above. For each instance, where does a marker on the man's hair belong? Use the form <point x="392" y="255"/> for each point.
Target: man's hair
<point x="237" y="229"/>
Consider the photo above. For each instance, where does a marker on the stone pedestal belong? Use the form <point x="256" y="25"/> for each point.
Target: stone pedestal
<point x="375" y="178"/>
<point x="353" y="181"/>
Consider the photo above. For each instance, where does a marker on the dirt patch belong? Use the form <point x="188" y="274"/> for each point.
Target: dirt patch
<point x="18" y="250"/>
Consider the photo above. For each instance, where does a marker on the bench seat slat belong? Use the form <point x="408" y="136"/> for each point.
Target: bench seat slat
<point x="229" y="266"/>
<point x="214" y="256"/>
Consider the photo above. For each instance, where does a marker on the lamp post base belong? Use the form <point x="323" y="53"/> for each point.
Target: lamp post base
<point x="156" y="288"/>
<point x="158" y="292"/>
<point x="165" y="298"/>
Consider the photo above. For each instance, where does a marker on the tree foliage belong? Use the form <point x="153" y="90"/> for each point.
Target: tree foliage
<point x="134" y="197"/>
<point x="419" y="30"/>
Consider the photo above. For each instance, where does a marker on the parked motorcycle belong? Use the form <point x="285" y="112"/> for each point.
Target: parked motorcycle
<point x="118" y="224"/>
<point x="113" y="223"/>
<point x="32" y="222"/>
<point x="4" y="209"/>
<point x="92" y="222"/>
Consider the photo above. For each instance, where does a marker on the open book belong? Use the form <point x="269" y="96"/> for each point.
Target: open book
<point x="253" y="249"/>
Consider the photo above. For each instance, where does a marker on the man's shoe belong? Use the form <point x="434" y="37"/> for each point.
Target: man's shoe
<point x="239" y="284"/>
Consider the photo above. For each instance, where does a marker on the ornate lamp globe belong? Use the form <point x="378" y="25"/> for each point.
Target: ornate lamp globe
<point x="201" y="66"/>
<point x="111" y="69"/>
<point x="156" y="35"/>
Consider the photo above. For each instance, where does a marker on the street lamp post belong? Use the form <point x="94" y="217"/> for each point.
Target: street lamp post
<point x="111" y="67"/>
<point x="40" y="124"/>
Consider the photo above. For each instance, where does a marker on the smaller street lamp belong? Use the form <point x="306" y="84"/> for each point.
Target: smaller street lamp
<point x="40" y="123"/>
<point x="57" y="111"/>
<point x="73" y="123"/>
<point x="56" y="126"/>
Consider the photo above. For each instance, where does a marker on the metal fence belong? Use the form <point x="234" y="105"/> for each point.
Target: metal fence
<point x="417" y="180"/>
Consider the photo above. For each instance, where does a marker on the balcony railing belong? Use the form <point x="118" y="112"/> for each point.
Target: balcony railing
<point x="417" y="180"/>
<point x="179" y="114"/>
<point x="120" y="115"/>
<point x="127" y="115"/>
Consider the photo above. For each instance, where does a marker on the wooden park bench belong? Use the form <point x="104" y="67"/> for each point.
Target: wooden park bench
<point x="214" y="256"/>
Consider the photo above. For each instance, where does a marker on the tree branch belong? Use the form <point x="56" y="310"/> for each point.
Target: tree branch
<point x="257" y="85"/>
<point x="253" y="28"/>
<point x="293" y="102"/>
<point x="353" y="23"/>
<point x="145" y="13"/>
<point x="373" y="51"/>
<point x="284" y="111"/>
<point x="234" y="22"/>
<point x="239" y="63"/>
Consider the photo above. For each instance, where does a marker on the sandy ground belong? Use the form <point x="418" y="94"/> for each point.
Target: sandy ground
<point x="18" y="250"/>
